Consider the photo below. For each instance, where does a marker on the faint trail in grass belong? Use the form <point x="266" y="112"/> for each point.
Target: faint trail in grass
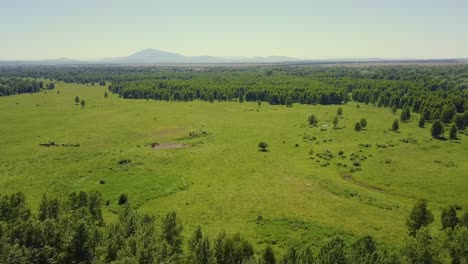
<point x="350" y="179"/>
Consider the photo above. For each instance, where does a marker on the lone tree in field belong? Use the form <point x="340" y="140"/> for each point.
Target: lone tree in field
<point x="312" y="120"/>
<point x="363" y="122"/>
<point x="339" y="111"/>
<point x="357" y="127"/>
<point x="335" y="122"/>
<point x="83" y="103"/>
<point x="453" y="132"/>
<point x="437" y="129"/>
<point x="77" y="100"/>
<point x="263" y="146"/>
<point x="419" y="216"/>
<point x="105" y="95"/>
<point x="395" y="125"/>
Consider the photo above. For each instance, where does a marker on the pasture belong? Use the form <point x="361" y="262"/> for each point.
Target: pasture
<point x="201" y="159"/>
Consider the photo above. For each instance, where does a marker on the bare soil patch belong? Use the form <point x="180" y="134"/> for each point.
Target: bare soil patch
<point x="156" y="146"/>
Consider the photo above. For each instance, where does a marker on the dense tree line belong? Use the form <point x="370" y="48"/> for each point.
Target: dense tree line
<point x="72" y="230"/>
<point x="11" y="86"/>
<point x="437" y="92"/>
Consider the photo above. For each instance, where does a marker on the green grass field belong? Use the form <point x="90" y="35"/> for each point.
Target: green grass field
<point x="220" y="180"/>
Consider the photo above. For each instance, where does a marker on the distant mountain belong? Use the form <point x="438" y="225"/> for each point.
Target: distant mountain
<point x="148" y="56"/>
<point x="154" y="56"/>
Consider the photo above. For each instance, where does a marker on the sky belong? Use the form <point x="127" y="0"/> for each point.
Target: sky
<point x="307" y="29"/>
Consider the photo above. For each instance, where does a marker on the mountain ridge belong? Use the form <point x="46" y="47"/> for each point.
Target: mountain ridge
<point x="156" y="56"/>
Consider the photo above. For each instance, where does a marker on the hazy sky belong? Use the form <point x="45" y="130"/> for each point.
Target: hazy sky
<point x="84" y="29"/>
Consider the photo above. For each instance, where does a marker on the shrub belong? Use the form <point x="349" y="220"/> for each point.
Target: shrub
<point x="263" y="146"/>
<point x="363" y="122"/>
<point x="357" y="127"/>
<point x="123" y="199"/>
<point x="339" y="111"/>
<point x="335" y="122"/>
<point x="312" y="120"/>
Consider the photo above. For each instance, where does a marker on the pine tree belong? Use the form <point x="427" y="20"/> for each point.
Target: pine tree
<point x="453" y="132"/>
<point x="339" y="111"/>
<point x="268" y="256"/>
<point x="395" y="125"/>
<point x="437" y="129"/>
<point x="357" y="127"/>
<point x="422" y="122"/>
<point x="363" y="122"/>
<point x="449" y="217"/>
<point x="335" y="122"/>
<point x="420" y="216"/>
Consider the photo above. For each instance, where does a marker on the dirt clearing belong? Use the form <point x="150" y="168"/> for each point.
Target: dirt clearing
<point x="156" y="146"/>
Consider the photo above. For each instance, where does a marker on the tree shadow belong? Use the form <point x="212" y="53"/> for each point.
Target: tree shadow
<point x="263" y="150"/>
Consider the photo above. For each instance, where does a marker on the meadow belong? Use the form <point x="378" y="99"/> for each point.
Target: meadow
<point x="300" y="191"/>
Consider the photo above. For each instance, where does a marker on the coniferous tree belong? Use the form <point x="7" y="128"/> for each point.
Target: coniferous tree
<point x="449" y="217"/>
<point x="395" y="125"/>
<point x="448" y="111"/>
<point x="199" y="248"/>
<point x="312" y="120"/>
<point x="339" y="111"/>
<point x="453" y="132"/>
<point x="335" y="122"/>
<point x="357" y="126"/>
<point x="405" y="114"/>
<point x="363" y="122"/>
<point x="422" y="248"/>
<point x="171" y="237"/>
<point x="394" y="109"/>
<point x="437" y="129"/>
<point x="291" y="256"/>
<point x="422" y="122"/>
<point x="419" y="217"/>
<point x="363" y="250"/>
<point x="268" y="256"/>
<point x="333" y="252"/>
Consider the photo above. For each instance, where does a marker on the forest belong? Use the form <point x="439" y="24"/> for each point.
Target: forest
<point x="435" y="92"/>
<point x="71" y="229"/>
<point x="12" y="86"/>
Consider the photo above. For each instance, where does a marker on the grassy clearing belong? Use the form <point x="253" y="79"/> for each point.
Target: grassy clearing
<point x="219" y="179"/>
